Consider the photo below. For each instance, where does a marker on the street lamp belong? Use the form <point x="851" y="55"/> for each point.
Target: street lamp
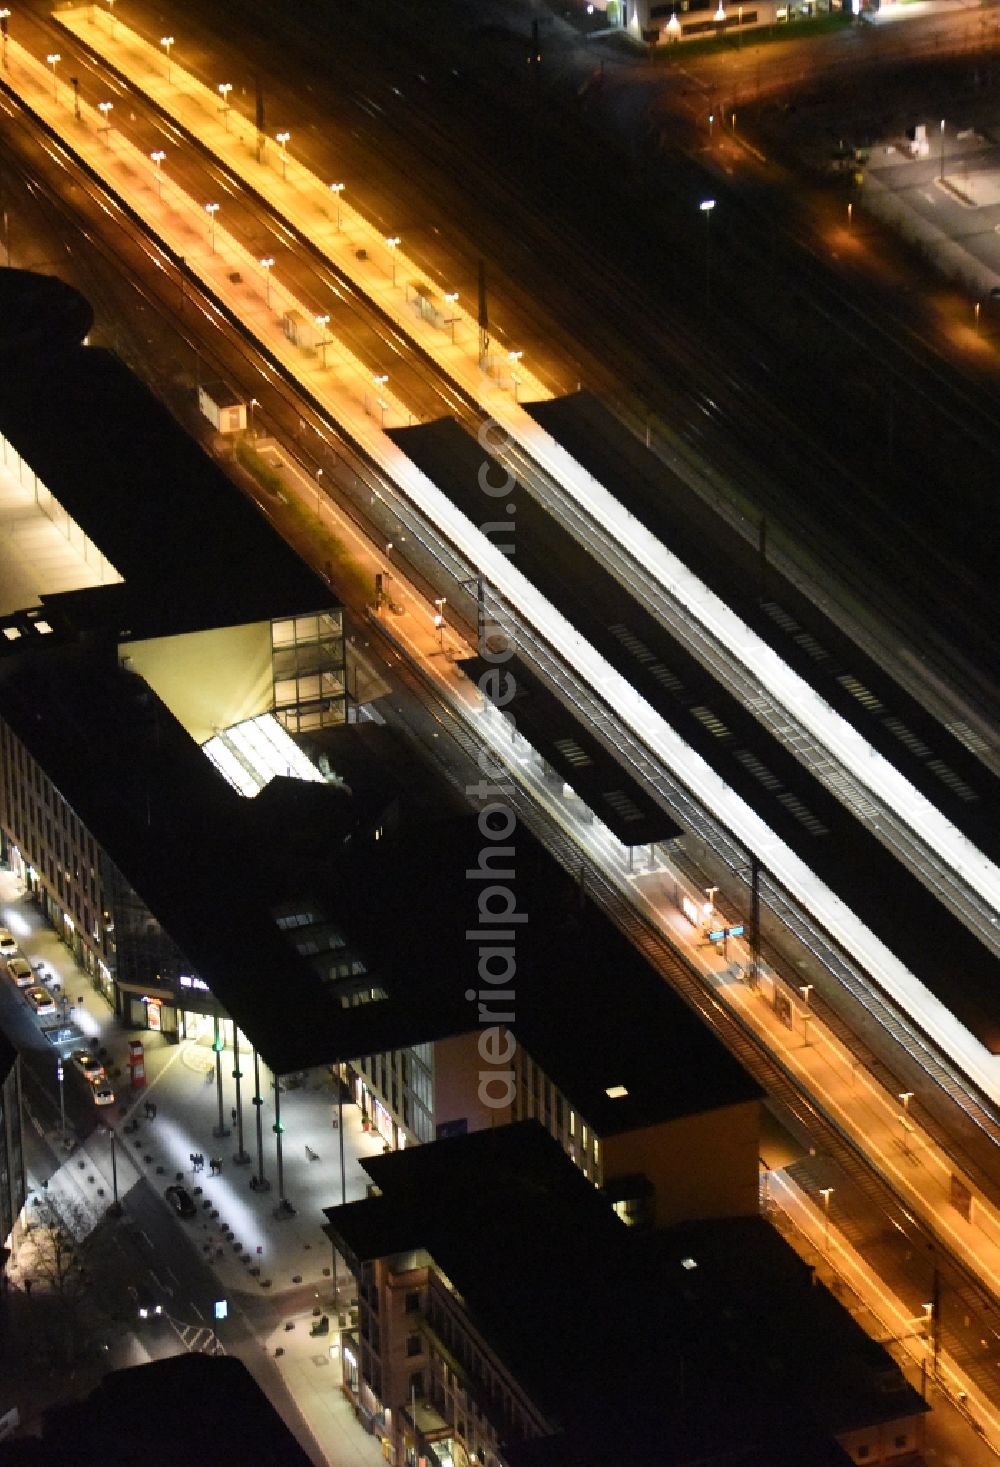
<point x="224" y="89"/>
<point x="158" y="157"/>
<point x="392" y="243"/>
<point x="706" y="206"/>
<point x="337" y="189"/>
<point x="4" y="24"/>
<point x="62" y="1100"/>
<point x="440" y="602"/>
<point x="805" y="989"/>
<point x="942" y="150"/>
<point x="266" y="264"/>
<point x="451" y="296"/>
<point x="211" y="210"/>
<point x="323" y="322"/>
<point x="825" y="1192"/>
<point x="53" y="58"/>
<point x="115" y="1210"/>
<point x="253" y="404"/>
<point x="111" y="11"/>
<point x="282" y="139"/>
<point x="380" y="379"/>
<point x="104" y="108"/>
<point x="905" y="1096"/>
<point x="166" y="42"/>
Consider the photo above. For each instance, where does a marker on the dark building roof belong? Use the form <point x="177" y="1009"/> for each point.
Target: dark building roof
<point x="8" y="1056"/>
<point x="570" y="747"/>
<point x="218" y="1414"/>
<point x="40" y="318"/>
<point x="194" y="552"/>
<point x="570" y="959"/>
<point x="830" y="838"/>
<point x="177" y="832"/>
<point x="940" y="761"/>
<point x="630" y="1352"/>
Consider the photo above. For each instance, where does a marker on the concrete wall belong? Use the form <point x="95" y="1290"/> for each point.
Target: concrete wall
<point x="701" y="1166"/>
<point x="210" y="679"/>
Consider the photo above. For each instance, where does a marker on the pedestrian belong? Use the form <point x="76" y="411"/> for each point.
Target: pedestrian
<point x="199" y="1162"/>
<point x="193" y="1160"/>
<point x="233" y="1114"/>
<point x="152" y="1110"/>
<point x="146" y="1109"/>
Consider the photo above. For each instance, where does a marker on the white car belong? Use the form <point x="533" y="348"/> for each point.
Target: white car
<point x="41" y="1001"/>
<point x="20" y="970"/>
<point x="8" y="946"/>
<point x="103" y="1093"/>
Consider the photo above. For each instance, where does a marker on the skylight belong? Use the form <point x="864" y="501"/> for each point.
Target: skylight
<point x="252" y="753"/>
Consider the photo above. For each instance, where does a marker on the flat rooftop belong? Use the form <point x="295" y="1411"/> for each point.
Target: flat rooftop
<point x="568" y="745"/>
<point x="192" y="550"/>
<point x="837" y="846"/>
<point x="939" y="761"/>
<point x="515" y="1228"/>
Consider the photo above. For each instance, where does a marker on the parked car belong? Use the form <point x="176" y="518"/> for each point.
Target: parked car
<point x="20" y="970"/>
<point x="181" y="1201"/>
<point x="146" y="1307"/>
<point x="103" y="1093"/>
<point x="88" y="1065"/>
<point x="8" y="946"/>
<point x="41" y="1001"/>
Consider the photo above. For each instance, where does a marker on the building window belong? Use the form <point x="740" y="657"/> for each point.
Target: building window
<point x="862" y="1453"/>
<point x="413" y="1345"/>
<point x="417" y="1383"/>
<point x="901" y="1441"/>
<point x="411" y="1303"/>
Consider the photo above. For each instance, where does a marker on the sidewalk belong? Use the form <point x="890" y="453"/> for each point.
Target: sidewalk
<point x="249" y="1249"/>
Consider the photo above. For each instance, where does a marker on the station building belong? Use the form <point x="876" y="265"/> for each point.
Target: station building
<point x="508" y="1319"/>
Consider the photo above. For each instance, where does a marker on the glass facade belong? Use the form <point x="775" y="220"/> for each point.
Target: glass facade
<point x="12" y="1182"/>
<point x="307" y="664"/>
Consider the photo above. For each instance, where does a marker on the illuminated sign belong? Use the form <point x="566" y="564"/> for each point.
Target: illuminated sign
<point x="690" y="910"/>
<point x="187" y="982"/>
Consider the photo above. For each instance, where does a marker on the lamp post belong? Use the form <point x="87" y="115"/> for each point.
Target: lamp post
<point x="323" y="322"/>
<point x="74" y="82"/>
<point x="60" y="1076"/>
<point x="259" y="1182"/>
<point x="825" y="1192"/>
<point x="282" y="139"/>
<point x="115" y="1210"/>
<point x="53" y="58"/>
<point x="211" y="210"/>
<point x="241" y="1156"/>
<point x="337" y="189"/>
<point x="942" y="150"/>
<point x="905" y="1096"/>
<point x="440" y="602"/>
<point x="392" y="244"/>
<point x="253" y="404"/>
<point x="4" y="25"/>
<point x="266" y="264"/>
<point x="451" y="296"/>
<point x="217" y="1045"/>
<point x="706" y="206"/>
<point x="514" y="357"/>
<point x="105" y="108"/>
<point x="166" y="42"/>
<point x="284" y="1207"/>
<point x="158" y="157"/>
<point x="111" y="12"/>
<point x="380" y="379"/>
<point x="224" y="89"/>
